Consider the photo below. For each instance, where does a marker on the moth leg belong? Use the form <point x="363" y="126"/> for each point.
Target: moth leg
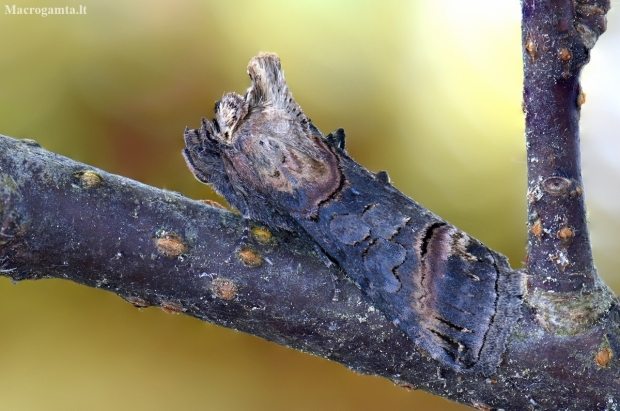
<point x="329" y="263"/>
<point x="336" y="284"/>
<point x="245" y="235"/>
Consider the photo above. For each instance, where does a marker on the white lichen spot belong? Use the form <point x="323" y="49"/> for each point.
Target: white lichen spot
<point x="560" y="259"/>
<point x="534" y="194"/>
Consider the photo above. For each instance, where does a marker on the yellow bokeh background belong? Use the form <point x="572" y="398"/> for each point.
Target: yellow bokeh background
<point x="429" y="90"/>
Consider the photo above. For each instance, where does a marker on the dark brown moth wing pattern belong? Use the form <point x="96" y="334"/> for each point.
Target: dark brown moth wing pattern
<point x="457" y="300"/>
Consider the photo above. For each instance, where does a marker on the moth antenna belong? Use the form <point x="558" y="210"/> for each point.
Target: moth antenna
<point x="229" y="111"/>
<point x="192" y="137"/>
<point x="269" y="87"/>
<point x="207" y="130"/>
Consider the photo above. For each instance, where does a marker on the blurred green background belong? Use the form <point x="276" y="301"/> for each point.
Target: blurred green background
<point x="429" y="90"/>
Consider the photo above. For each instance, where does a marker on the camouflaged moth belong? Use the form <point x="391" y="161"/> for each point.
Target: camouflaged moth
<point x="456" y="299"/>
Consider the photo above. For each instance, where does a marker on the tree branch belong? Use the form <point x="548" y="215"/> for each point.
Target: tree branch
<point x="62" y="219"/>
<point x="557" y="37"/>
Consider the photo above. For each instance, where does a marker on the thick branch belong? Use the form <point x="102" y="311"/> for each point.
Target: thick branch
<point x="67" y="220"/>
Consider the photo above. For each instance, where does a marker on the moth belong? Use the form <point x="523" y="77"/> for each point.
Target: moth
<point x="454" y="298"/>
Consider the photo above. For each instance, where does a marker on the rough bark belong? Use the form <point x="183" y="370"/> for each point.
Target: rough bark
<point x="557" y="37"/>
<point x="62" y="219"/>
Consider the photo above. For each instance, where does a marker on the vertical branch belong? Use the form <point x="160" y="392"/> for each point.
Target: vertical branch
<point x="557" y="38"/>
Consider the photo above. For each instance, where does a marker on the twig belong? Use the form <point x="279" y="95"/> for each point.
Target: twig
<point x="557" y="37"/>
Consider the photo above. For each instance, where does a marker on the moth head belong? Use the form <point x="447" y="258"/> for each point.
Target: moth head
<point x="229" y="112"/>
<point x="261" y="147"/>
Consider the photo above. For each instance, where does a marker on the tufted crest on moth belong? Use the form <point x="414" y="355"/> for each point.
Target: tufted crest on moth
<point x="269" y="88"/>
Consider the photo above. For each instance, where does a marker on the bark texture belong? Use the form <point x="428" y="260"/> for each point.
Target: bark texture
<point x="62" y="219"/>
<point x="557" y="38"/>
